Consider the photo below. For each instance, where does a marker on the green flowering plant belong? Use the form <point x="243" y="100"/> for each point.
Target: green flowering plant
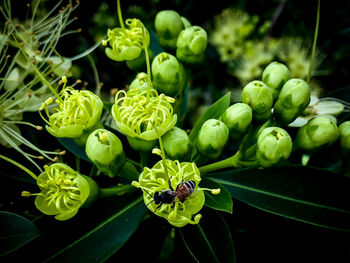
<point x="244" y="149"/>
<point x="168" y="25"/>
<point x="78" y="113"/>
<point x="151" y="116"/>
<point x="155" y="179"/>
<point x="274" y="145"/>
<point x="191" y="45"/>
<point x="63" y="191"/>
<point x="105" y="150"/>
<point x="127" y="43"/>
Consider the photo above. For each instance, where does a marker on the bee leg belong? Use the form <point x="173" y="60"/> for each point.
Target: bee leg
<point x="170" y="185"/>
<point x="157" y="207"/>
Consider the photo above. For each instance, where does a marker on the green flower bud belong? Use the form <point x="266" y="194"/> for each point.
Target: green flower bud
<point x="168" y="25"/>
<point x="274" y="145"/>
<point x="212" y="138"/>
<point x="158" y="179"/>
<point x="105" y="150"/>
<point x="191" y="45"/>
<point x="177" y="145"/>
<point x="63" y="191"/>
<point x="77" y="114"/>
<point x="142" y="118"/>
<point x="168" y="74"/>
<point x="127" y="43"/>
<point x="274" y="76"/>
<point x="258" y="96"/>
<point x="237" y="118"/>
<point x="344" y="130"/>
<point x="320" y="131"/>
<point x="292" y="101"/>
<point x="140" y="82"/>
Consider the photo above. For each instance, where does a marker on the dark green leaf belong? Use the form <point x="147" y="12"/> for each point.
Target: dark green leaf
<point x="108" y="106"/>
<point x="210" y="240"/>
<point x="307" y="194"/>
<point x="104" y="240"/>
<point x="222" y="201"/>
<point x="15" y="231"/>
<point x="73" y="147"/>
<point x="154" y="43"/>
<point x="213" y="112"/>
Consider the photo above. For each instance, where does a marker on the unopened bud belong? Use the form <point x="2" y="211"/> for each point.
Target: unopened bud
<point x="274" y="76"/>
<point x="258" y="96"/>
<point x="321" y="131"/>
<point x="292" y="101"/>
<point x="212" y="138"/>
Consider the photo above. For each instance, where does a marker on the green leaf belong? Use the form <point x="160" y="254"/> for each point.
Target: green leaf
<point x="213" y="112"/>
<point x="105" y="239"/>
<point x="73" y="147"/>
<point x="222" y="201"/>
<point x="154" y="43"/>
<point x="210" y="240"/>
<point x="306" y="194"/>
<point x="15" y="231"/>
<point x="108" y="106"/>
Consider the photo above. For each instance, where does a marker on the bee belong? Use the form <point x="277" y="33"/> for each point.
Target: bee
<point x="168" y="196"/>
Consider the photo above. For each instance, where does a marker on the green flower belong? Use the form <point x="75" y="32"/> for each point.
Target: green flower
<point x="274" y="76"/>
<point x="292" y="101"/>
<point x="321" y="131"/>
<point x="105" y="150"/>
<point x="177" y="144"/>
<point x="127" y="43"/>
<point x="212" y="138"/>
<point x="168" y="25"/>
<point x="143" y="118"/>
<point x="168" y="74"/>
<point x="344" y="130"/>
<point x="191" y="45"/>
<point x="237" y="118"/>
<point x="258" y="96"/>
<point x="76" y="115"/>
<point x="274" y="145"/>
<point x="156" y="180"/>
<point x="63" y="191"/>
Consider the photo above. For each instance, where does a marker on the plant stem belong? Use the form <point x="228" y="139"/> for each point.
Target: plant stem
<point x="148" y="64"/>
<point x="232" y="161"/>
<point x="19" y="166"/>
<point x="144" y="156"/>
<point x="314" y="43"/>
<point x="116" y="190"/>
<point x="120" y="17"/>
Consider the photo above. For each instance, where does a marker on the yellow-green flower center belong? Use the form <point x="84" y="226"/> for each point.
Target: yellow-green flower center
<point x="60" y="189"/>
<point x="142" y="113"/>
